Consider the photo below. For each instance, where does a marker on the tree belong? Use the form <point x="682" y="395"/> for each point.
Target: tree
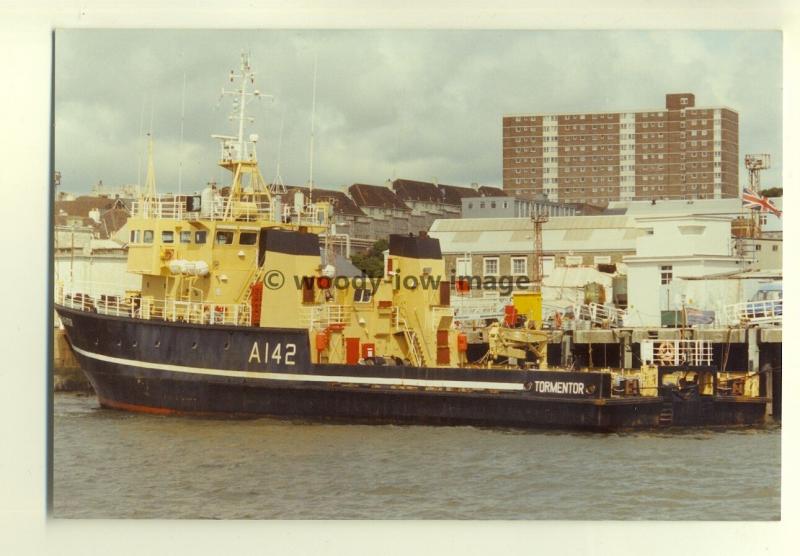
<point x="371" y="262"/>
<point x="772" y="192"/>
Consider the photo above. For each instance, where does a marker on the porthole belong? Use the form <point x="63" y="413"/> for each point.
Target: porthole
<point x="227" y="344"/>
<point x="97" y="341"/>
<point x="158" y="343"/>
<point x="119" y="343"/>
<point x="194" y="345"/>
<point x="135" y="344"/>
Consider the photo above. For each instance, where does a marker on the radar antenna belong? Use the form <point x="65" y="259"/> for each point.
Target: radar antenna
<point x="238" y="153"/>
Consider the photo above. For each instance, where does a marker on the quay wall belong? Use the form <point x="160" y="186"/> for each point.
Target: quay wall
<point x="67" y="375"/>
<point x="755" y="349"/>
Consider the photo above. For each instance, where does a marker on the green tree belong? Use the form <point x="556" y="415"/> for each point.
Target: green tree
<point x="772" y="192"/>
<point x="371" y="262"/>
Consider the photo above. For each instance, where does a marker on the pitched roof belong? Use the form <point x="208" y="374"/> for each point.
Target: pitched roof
<point x="491" y="191"/>
<point x="82" y="205"/>
<point x="375" y="196"/>
<point x="559" y="234"/>
<point x="452" y="194"/>
<point x="114" y="219"/>
<point x="411" y="190"/>
<point x="339" y="199"/>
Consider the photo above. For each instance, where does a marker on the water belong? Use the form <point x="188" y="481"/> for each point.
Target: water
<point x="119" y="465"/>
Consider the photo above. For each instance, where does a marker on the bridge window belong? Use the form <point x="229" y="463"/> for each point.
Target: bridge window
<point x="200" y="237"/>
<point x="224" y="238"/>
<point x="167" y="236"/>
<point x="186" y="237"/>
<point x="248" y="238"/>
<point x="135" y="236"/>
<point x="148" y="236"/>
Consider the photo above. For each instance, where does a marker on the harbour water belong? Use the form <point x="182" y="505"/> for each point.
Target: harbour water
<point x="112" y="464"/>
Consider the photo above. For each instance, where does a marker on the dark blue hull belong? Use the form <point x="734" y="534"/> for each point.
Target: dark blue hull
<point x="166" y="367"/>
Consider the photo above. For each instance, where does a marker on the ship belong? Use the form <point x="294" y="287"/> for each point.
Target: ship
<point x="239" y="314"/>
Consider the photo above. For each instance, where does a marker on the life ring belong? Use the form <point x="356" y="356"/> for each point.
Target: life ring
<point x="167" y="254"/>
<point x="217" y="314"/>
<point x="666" y="353"/>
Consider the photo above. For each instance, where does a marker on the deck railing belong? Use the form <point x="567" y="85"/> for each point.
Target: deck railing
<point x="761" y="312"/>
<point x="677" y="352"/>
<point x="320" y="317"/>
<point x="599" y="314"/>
<point x="224" y="208"/>
<point x="476" y="309"/>
<point x="170" y="208"/>
<point x="117" y="302"/>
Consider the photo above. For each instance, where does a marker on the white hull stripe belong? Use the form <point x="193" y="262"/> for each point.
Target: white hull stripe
<point x="304" y="378"/>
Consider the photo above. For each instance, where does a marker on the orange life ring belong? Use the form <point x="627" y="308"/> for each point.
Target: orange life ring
<point x="666" y="353"/>
<point x="167" y="254"/>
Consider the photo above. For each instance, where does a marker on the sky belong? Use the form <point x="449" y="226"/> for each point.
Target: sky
<point x="415" y="104"/>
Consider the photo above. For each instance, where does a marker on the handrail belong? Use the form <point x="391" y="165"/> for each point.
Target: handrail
<point x="479" y="308"/>
<point x="599" y="314"/>
<point x="323" y="316"/>
<point x="677" y="352"/>
<point x="764" y="311"/>
<point x="411" y="336"/>
<point x="420" y="327"/>
<point x="167" y="207"/>
<point x="122" y="304"/>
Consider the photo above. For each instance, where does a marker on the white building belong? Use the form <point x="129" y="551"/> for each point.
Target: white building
<point x="719" y="207"/>
<point x="673" y="248"/>
<point x="504" y="246"/>
<point x="81" y="259"/>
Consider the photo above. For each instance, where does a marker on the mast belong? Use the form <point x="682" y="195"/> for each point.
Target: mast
<point x="149" y="197"/>
<point x="755" y="164"/>
<point x="277" y="186"/>
<point x="538" y="270"/>
<point x="238" y="154"/>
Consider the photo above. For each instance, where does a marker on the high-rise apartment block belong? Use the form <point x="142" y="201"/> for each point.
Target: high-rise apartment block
<point x="681" y="152"/>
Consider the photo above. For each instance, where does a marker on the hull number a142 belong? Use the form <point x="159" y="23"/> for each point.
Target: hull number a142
<point x="280" y="354"/>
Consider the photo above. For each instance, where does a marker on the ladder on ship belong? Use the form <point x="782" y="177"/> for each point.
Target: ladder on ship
<point x="412" y="340"/>
<point x="746" y="249"/>
<point x="666" y="416"/>
<point x="256" y="276"/>
<point x="246" y="295"/>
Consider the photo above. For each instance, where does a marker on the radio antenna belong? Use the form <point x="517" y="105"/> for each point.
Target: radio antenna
<point x="139" y="153"/>
<point x="311" y="146"/>
<point x="277" y="186"/>
<point x="180" y="145"/>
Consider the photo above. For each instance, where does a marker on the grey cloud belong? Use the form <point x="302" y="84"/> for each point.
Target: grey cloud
<point x="416" y="104"/>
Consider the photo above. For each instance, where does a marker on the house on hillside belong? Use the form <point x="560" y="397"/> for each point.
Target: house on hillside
<point x="104" y="216"/>
<point x="348" y="219"/>
<point x="429" y="201"/>
<point x="388" y="213"/>
<point x="452" y="196"/>
<point x="489" y="191"/>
